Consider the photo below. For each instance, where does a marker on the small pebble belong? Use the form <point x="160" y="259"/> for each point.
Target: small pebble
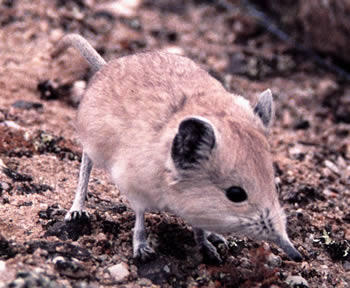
<point x="274" y="260"/>
<point x="331" y="166"/>
<point x="58" y="259"/>
<point x="119" y="272"/>
<point x="123" y="8"/>
<point x="166" y="269"/>
<point x="174" y="50"/>
<point x="56" y="35"/>
<point x="4" y="186"/>
<point x="297" y="282"/>
<point x="78" y="90"/>
<point x="2" y="164"/>
<point x="2" y="266"/>
<point x="12" y="124"/>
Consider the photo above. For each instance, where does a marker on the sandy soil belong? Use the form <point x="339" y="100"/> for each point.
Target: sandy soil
<point x="39" y="147"/>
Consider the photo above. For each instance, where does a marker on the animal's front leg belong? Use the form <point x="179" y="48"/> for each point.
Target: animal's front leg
<point x="77" y="212"/>
<point x="206" y="247"/>
<point x="141" y="248"/>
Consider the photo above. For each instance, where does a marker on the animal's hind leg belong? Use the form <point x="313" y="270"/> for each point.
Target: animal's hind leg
<point x="77" y="210"/>
<point x="141" y="248"/>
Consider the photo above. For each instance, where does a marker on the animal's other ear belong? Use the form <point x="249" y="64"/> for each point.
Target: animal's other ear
<point x="193" y="143"/>
<point x="265" y="108"/>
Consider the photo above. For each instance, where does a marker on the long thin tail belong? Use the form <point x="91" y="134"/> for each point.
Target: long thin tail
<point x="83" y="46"/>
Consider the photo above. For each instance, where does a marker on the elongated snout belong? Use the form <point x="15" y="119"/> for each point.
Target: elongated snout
<point x="289" y="249"/>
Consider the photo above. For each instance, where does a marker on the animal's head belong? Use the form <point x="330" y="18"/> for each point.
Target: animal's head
<point x="223" y="176"/>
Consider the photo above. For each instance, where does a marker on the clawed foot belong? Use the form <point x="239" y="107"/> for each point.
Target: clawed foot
<point x="210" y="253"/>
<point x="205" y="241"/>
<point x="144" y="252"/>
<point x="77" y="215"/>
<point x="218" y="239"/>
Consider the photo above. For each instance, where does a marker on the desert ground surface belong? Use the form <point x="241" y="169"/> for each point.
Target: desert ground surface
<point x="40" y="152"/>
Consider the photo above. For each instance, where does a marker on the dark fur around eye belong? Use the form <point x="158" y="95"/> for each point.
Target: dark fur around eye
<point x="236" y="194"/>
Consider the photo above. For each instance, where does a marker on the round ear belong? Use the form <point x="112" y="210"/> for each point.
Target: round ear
<point x="265" y="108"/>
<point x="193" y="143"/>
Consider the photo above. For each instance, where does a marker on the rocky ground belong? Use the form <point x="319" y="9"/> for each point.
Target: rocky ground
<point x="40" y="153"/>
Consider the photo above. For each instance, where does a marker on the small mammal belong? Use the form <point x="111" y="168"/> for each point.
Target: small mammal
<point x="173" y="139"/>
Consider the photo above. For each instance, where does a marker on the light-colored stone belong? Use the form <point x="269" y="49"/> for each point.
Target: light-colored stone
<point x="174" y="50"/>
<point x="331" y="166"/>
<point x="274" y="260"/>
<point x="296" y="281"/>
<point x="166" y="269"/>
<point x="2" y="266"/>
<point x="58" y="259"/>
<point x="119" y="272"/>
<point x="78" y="90"/>
<point x="12" y="124"/>
<point x="4" y="186"/>
<point x="124" y="8"/>
<point x="56" y="35"/>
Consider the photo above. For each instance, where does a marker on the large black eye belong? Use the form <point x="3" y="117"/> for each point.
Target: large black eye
<point x="236" y="194"/>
